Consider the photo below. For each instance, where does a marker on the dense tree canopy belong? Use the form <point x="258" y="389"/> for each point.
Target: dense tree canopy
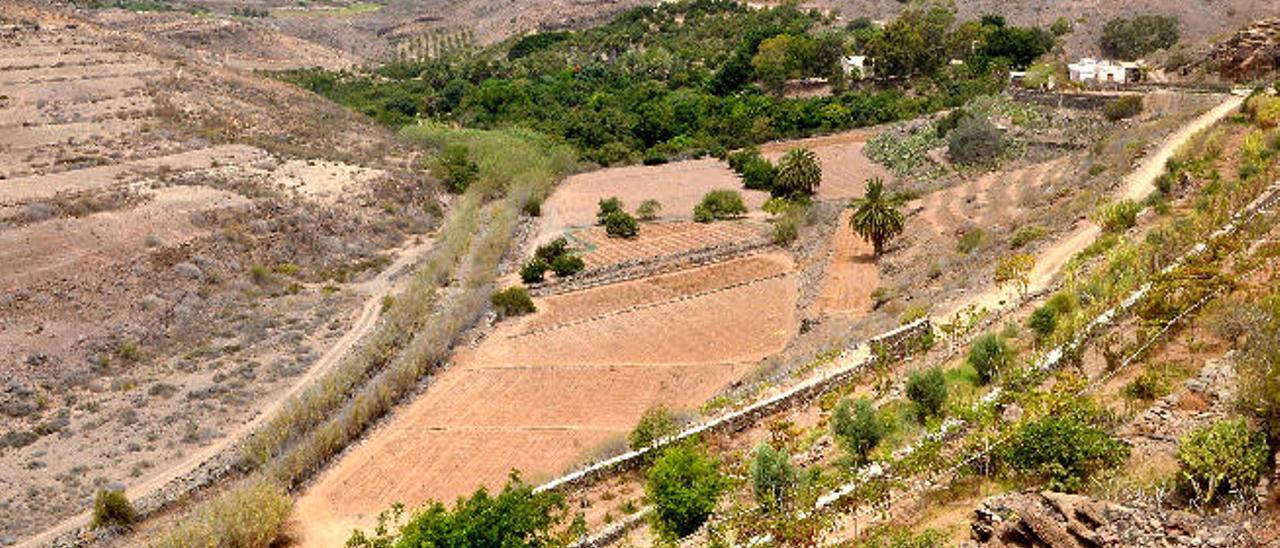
<point x="1132" y="38"/>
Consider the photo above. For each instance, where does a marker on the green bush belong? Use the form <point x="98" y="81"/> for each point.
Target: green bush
<point x="759" y="174"/>
<point x="1124" y="107"/>
<point x="1065" y="449"/>
<point x="456" y="168"/>
<point x="1147" y="386"/>
<point x="1133" y="38"/>
<point x="684" y="486"/>
<point x="773" y="479"/>
<point x="988" y="355"/>
<point x="567" y="265"/>
<point x="649" y="210"/>
<point x="550" y="251"/>
<point x="739" y="159"/>
<point x="1043" y="321"/>
<point x="1226" y="458"/>
<point x="719" y="204"/>
<point x="656" y="423"/>
<point x="620" y="224"/>
<point x="1118" y="216"/>
<point x="857" y="428"/>
<point x="534" y="270"/>
<point x="1026" y="235"/>
<point x="928" y="390"/>
<point x="512" y="301"/>
<point x="608" y="206"/>
<point x="975" y="142"/>
<point x="112" y="509"/>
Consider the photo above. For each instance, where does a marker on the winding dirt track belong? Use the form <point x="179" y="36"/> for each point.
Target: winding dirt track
<point x="383" y="284"/>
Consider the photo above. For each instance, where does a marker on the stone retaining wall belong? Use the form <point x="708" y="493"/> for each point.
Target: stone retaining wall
<point x="646" y="267"/>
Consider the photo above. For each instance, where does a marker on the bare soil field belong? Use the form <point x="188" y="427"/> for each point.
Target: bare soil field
<point x="850" y="276"/>
<point x="660" y="240"/>
<point x="180" y="243"/>
<point x="845" y="169"/>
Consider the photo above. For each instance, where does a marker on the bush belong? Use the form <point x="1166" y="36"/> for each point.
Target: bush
<point x="971" y="240"/>
<point x="649" y="210"/>
<point x="552" y="250"/>
<point x="759" y="174"/>
<point x="656" y="423"/>
<point x="975" y="142"/>
<point x="1124" y="107"/>
<point x="719" y="204"/>
<point x="1222" y="459"/>
<point x="112" y="509"/>
<point x="1026" y="235"/>
<point x="773" y="479"/>
<point x="988" y="356"/>
<point x="1147" y="386"/>
<point x="1118" y="216"/>
<point x="1065" y="449"/>
<point x="1043" y="321"/>
<point x="1264" y="110"/>
<point x="1133" y="38"/>
<point x="928" y="390"/>
<point x="608" y="206"/>
<point x="739" y="159"/>
<point x="654" y="158"/>
<point x="620" y="224"/>
<point x="456" y="169"/>
<point x="533" y="271"/>
<point x="567" y="265"/>
<point x="512" y="301"/>
<point x="684" y="486"/>
<point x="857" y="428"/>
<point x="251" y="514"/>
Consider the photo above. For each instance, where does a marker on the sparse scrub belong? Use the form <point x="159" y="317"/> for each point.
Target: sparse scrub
<point x="456" y="168"/>
<point x="656" y="423"/>
<point x="975" y="142"/>
<point x="1122" y="108"/>
<point x="112" y="509"/>
<point x="971" y="240"/>
<point x="1118" y="216"/>
<point x="1026" y="235"/>
<point x="249" y="515"/>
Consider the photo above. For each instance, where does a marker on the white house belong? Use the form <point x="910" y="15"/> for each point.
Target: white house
<point x="856" y="66"/>
<point x="1106" y="70"/>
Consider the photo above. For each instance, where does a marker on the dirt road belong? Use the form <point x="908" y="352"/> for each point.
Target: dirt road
<point x="386" y="282"/>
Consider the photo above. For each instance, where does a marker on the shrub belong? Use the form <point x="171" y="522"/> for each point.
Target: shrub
<point x="719" y="204"/>
<point x="1133" y="38"/>
<point x="251" y="514"/>
<point x="567" y="265"/>
<point x="799" y="173"/>
<point x="975" y="142"/>
<point x="928" y="390"/>
<point x="857" y="428"/>
<point x="1124" y="107"/>
<point x="684" y="486"/>
<point x="773" y="479"/>
<point x="533" y="271"/>
<point x="608" y="206"/>
<point x="1118" y="216"/>
<point x="620" y="224"/>
<point x="1043" y="321"/>
<point x="1065" y="449"/>
<point x="786" y="229"/>
<point x="739" y="159"/>
<point x="649" y="210"/>
<point x="759" y="174"/>
<point x="550" y="251"/>
<point x="1222" y="459"/>
<point x="971" y="240"/>
<point x="512" y="301"/>
<point x="654" y="158"/>
<point x="1147" y="386"/>
<point x="1026" y="235"/>
<point x="1264" y="110"/>
<point x="949" y="122"/>
<point x="656" y="423"/>
<point x="112" y="509"/>
<point x="456" y="168"/>
<point x="988" y="356"/>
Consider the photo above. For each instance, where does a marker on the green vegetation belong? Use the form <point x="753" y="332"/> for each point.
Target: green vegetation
<point x="1043" y="321"/>
<point x="975" y="142"/>
<point x="607" y="206"/>
<point x="620" y="224"/>
<point x="1063" y="443"/>
<point x="513" y="301"/>
<point x="112" y="509"/>
<point x="456" y="169"/>
<point x="649" y="210"/>
<point x="1263" y="110"/>
<point x="1124" y="107"/>
<point x="718" y="205"/>
<point x="1224" y="459"/>
<point x="567" y="265"/>
<point x="684" y="485"/>
<point x="773" y="479"/>
<point x="799" y="174"/>
<point x="927" y="389"/>
<point x="555" y="256"/>
<point x="989" y="355"/>
<point x="789" y="217"/>
<point x="1026" y="235"/>
<point x="515" y="517"/>
<point x="877" y="216"/>
<point x="757" y="172"/>
<point x="656" y="423"/>
<point x="1132" y="38"/>
<point x="689" y="77"/>
<point x="1118" y="216"/>
<point x="857" y="428"/>
<point x="1258" y="363"/>
<point x="250" y="514"/>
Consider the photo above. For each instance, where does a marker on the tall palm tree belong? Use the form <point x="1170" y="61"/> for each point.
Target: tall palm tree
<point x="799" y="172"/>
<point x="877" y="215"/>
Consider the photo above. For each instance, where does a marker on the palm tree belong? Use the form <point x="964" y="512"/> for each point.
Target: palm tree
<point x="798" y="173"/>
<point x="877" y="215"/>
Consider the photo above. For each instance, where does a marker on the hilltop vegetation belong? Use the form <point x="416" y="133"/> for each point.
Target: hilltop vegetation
<point x="693" y="77"/>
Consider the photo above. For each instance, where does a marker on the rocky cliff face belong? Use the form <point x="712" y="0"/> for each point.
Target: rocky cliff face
<point x="1251" y="53"/>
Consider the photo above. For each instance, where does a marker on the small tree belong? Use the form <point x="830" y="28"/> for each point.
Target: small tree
<point x="719" y="204"/>
<point x="656" y="423"/>
<point x="1226" y="458"/>
<point x="567" y="265"/>
<point x="1016" y="269"/>
<point x="684" y="485"/>
<point x="759" y="174"/>
<point x="649" y="210"/>
<point x="857" y="428"/>
<point x="975" y="142"/>
<point x="606" y="207"/>
<point x="988" y="356"/>
<point x="620" y="224"/>
<point x="1043" y="321"/>
<point x="516" y="516"/>
<point x="534" y="270"/>
<point x="877" y="216"/>
<point x="549" y="251"/>
<point x="456" y="169"/>
<point x="928" y="390"/>
<point x="773" y="479"/>
<point x="799" y="173"/>
<point x="512" y="301"/>
<point x="112" y="509"/>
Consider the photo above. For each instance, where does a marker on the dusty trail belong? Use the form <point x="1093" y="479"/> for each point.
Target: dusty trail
<point x="385" y="283"/>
